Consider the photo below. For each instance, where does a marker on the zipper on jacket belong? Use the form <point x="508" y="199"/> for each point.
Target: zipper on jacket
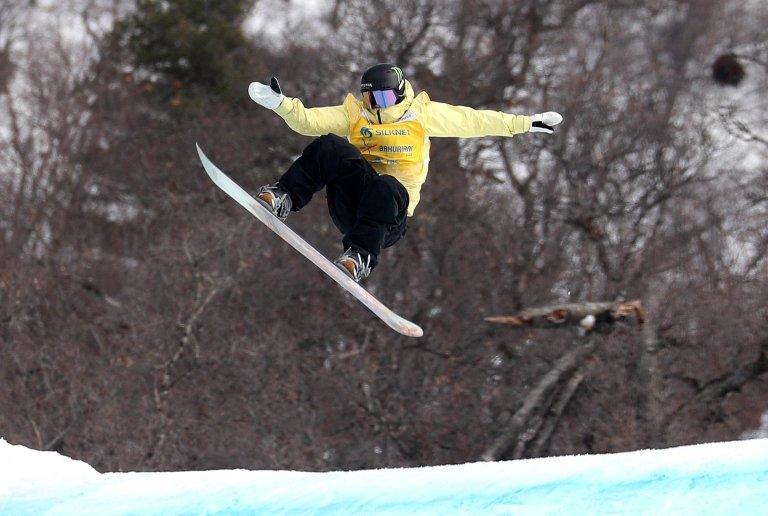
<point x="378" y="114"/>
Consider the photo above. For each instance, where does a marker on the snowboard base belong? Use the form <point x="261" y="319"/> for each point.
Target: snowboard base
<point x="394" y="321"/>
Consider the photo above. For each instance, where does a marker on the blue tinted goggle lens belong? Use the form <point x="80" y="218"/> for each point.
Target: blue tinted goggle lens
<point x="379" y="98"/>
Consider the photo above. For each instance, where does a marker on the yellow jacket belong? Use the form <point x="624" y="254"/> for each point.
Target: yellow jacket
<point x="406" y="154"/>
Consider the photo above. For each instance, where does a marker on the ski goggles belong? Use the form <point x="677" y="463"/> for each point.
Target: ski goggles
<point x="379" y="99"/>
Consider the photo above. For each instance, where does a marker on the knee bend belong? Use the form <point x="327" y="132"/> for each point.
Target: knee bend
<point x="330" y="141"/>
<point x="331" y="145"/>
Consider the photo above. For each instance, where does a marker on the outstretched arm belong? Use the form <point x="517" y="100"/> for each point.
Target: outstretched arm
<point x="459" y="121"/>
<point x="306" y="121"/>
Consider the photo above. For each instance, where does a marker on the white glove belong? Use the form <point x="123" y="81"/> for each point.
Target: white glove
<point x="268" y="96"/>
<point x="543" y="122"/>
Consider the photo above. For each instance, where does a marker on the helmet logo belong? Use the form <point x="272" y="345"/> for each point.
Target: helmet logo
<point x="400" y="76"/>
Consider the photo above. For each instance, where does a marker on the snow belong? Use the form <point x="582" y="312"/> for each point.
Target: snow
<point x="719" y="478"/>
<point x="24" y="472"/>
<point x="760" y="432"/>
<point x="279" y="19"/>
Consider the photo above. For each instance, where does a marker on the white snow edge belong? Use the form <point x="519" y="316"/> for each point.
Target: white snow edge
<point x="717" y="478"/>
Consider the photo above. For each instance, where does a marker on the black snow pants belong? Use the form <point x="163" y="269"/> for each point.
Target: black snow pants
<point x="368" y="208"/>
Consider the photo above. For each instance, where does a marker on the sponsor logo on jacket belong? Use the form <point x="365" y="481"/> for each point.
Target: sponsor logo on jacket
<point x="391" y="132"/>
<point x="368" y="133"/>
<point x="407" y="149"/>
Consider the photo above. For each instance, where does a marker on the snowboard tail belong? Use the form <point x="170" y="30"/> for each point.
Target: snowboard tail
<point x="394" y="321"/>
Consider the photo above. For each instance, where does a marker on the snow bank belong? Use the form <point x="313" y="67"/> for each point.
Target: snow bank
<point x="25" y="473"/>
<point x="720" y="478"/>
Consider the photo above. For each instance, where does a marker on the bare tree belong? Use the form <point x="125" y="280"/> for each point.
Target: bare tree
<point x="146" y="322"/>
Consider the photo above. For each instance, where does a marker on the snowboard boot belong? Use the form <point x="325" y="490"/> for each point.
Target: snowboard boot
<point x="276" y="200"/>
<point x="354" y="265"/>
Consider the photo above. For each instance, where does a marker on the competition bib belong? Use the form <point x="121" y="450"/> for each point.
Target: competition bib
<point x="390" y="146"/>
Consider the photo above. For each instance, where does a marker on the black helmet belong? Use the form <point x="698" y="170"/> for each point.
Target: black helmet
<point x="382" y="77"/>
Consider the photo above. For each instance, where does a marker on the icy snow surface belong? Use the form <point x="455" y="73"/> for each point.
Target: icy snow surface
<point x="720" y="478"/>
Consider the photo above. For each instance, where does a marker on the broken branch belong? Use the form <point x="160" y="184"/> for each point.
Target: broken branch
<point x="587" y="315"/>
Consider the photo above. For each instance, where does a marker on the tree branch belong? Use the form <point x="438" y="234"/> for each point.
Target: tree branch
<point x="573" y="314"/>
<point x="515" y="425"/>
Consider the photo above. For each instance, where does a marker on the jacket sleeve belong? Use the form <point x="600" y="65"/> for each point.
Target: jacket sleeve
<point x="446" y="120"/>
<point x="313" y="121"/>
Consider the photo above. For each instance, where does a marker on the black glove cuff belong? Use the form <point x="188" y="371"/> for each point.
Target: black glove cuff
<point x="275" y="85"/>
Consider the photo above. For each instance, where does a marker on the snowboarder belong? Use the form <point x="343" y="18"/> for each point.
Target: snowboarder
<point x="372" y="156"/>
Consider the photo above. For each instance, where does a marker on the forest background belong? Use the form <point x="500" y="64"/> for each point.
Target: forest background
<point x="149" y="323"/>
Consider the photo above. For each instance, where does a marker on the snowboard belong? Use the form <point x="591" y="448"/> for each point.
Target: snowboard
<point x="394" y="321"/>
